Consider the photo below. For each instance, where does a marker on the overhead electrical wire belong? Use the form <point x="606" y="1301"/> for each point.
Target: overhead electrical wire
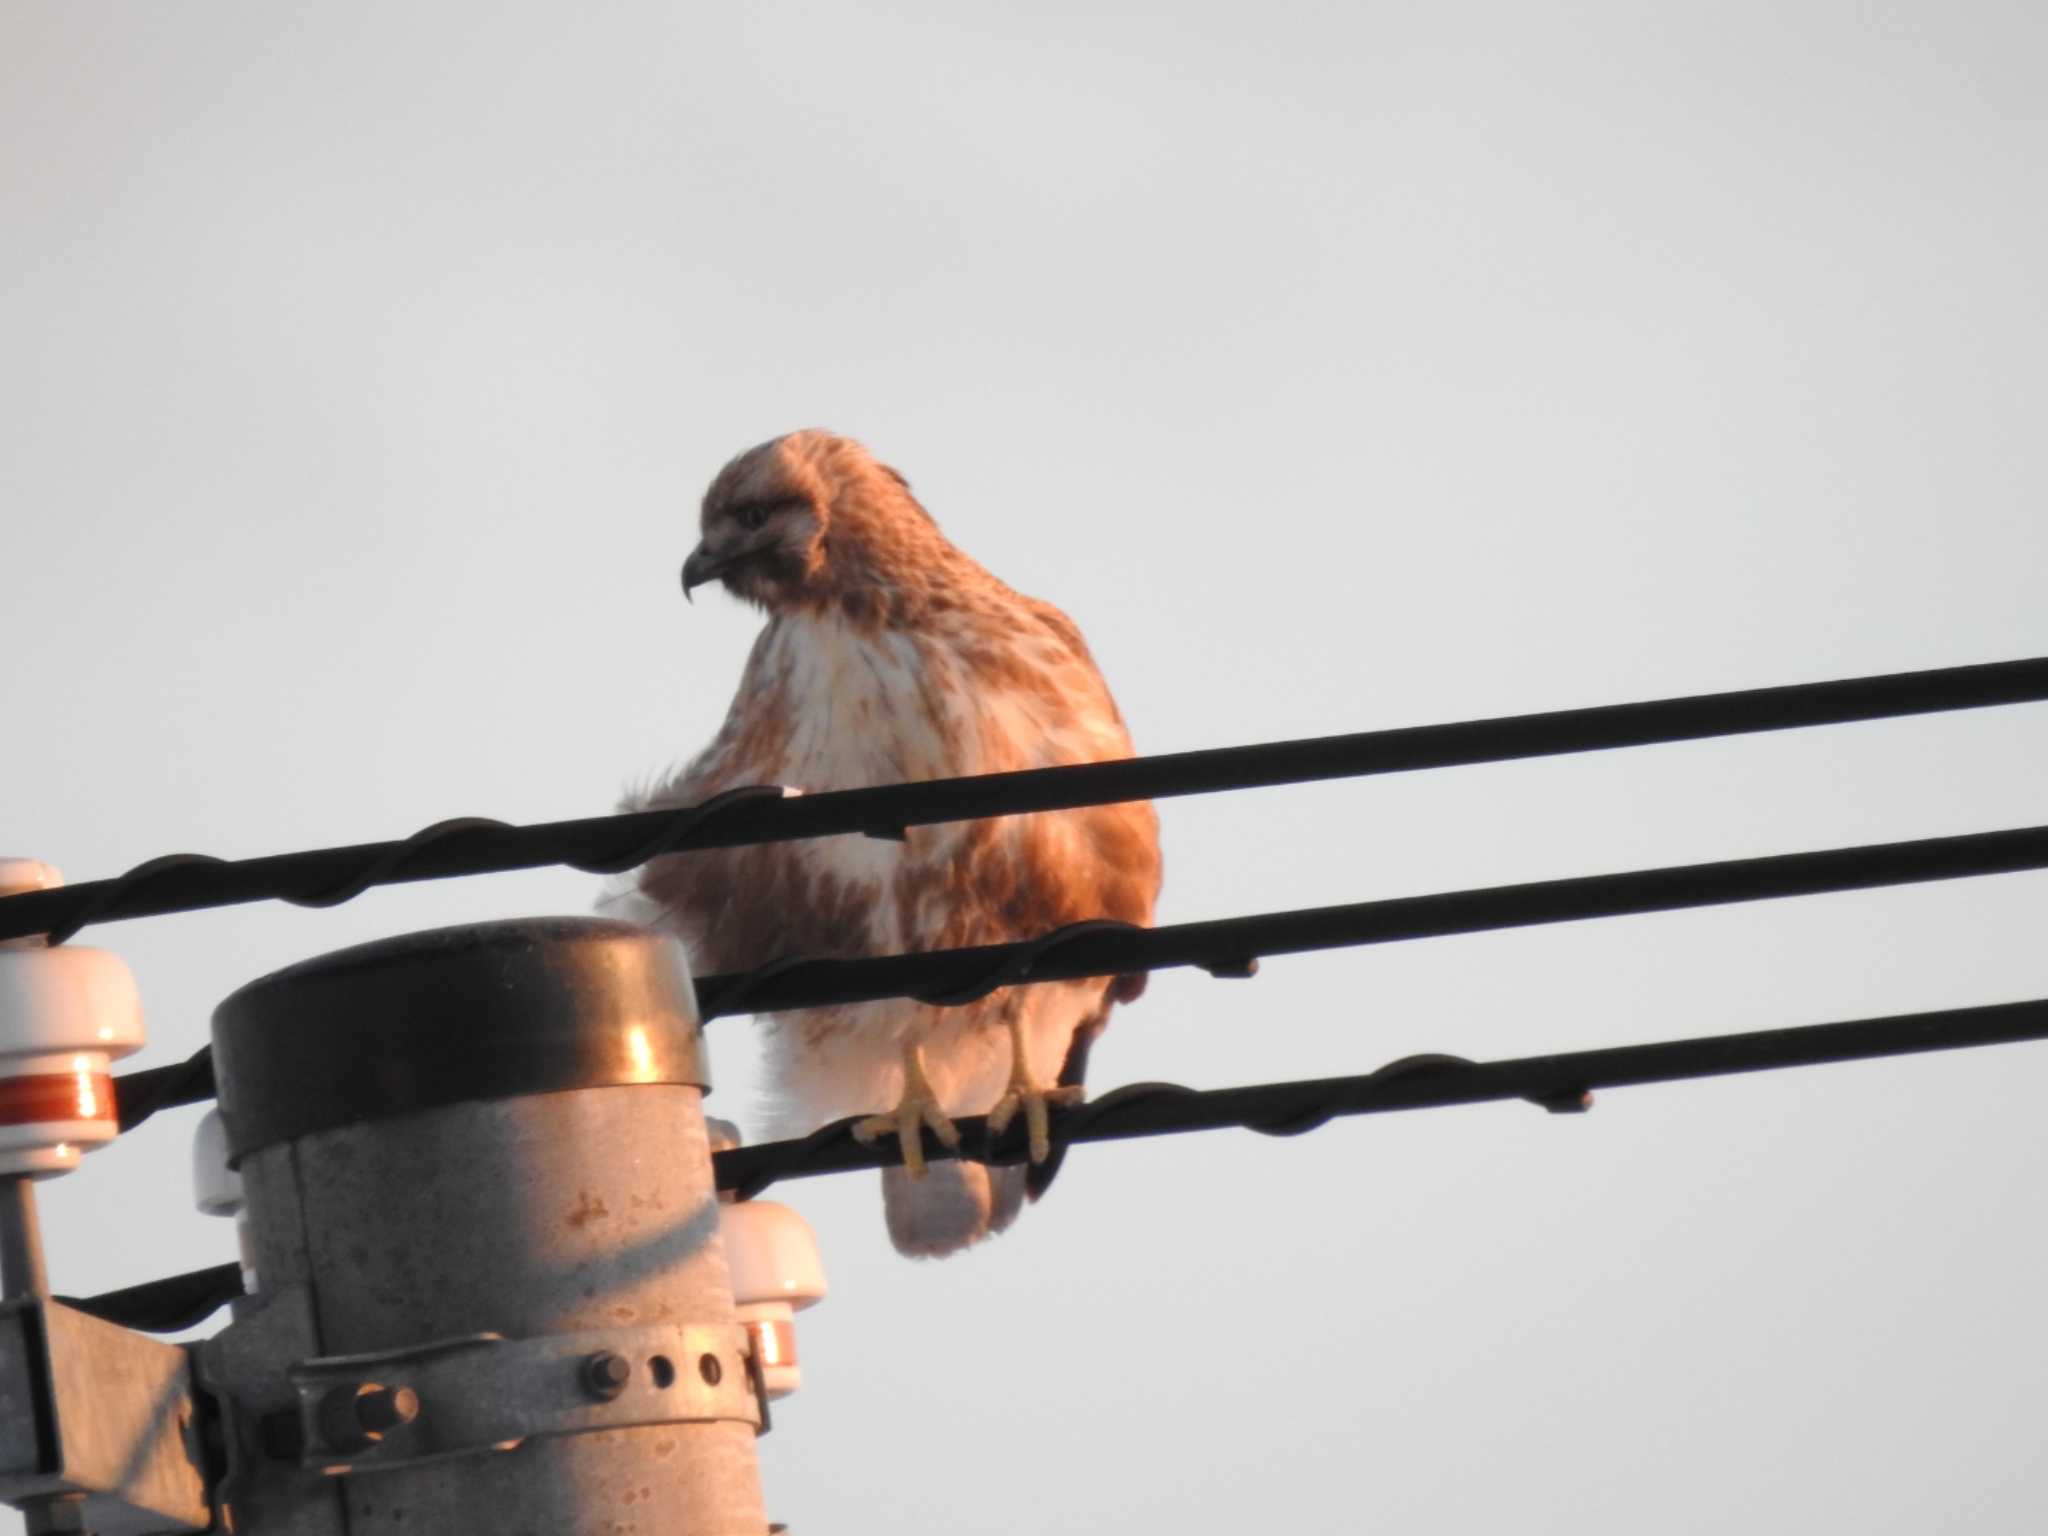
<point x="1561" y="1082"/>
<point x="1231" y="947"/>
<point x="766" y="813"/>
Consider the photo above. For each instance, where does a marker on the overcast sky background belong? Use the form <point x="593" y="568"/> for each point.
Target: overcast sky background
<point x="1335" y="367"/>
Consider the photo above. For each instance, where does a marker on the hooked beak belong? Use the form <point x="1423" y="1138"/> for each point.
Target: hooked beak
<point x="701" y="567"/>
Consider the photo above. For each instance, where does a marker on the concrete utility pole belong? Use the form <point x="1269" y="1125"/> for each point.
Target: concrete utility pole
<point x="490" y="1288"/>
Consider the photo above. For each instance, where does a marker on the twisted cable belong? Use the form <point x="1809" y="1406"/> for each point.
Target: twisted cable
<point x="1560" y="1083"/>
<point x="767" y="813"/>
<point x="1227" y="946"/>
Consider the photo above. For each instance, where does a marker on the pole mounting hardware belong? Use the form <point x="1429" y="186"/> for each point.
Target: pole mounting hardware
<point x="485" y="1392"/>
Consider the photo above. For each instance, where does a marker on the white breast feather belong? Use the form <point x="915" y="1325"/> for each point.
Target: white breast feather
<point x="862" y="708"/>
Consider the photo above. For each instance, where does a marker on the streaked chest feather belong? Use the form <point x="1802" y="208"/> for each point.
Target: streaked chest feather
<point x="859" y="709"/>
<point x="865" y="708"/>
<point x="825" y="706"/>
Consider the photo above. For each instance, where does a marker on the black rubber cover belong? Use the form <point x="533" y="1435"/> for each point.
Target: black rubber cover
<point x="486" y="1011"/>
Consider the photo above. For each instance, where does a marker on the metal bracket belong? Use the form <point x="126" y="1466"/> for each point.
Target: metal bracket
<point x="485" y="1392"/>
<point x="99" y="1419"/>
<point x="242" y="1369"/>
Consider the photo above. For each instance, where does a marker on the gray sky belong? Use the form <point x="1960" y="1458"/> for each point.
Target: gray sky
<point x="1335" y="367"/>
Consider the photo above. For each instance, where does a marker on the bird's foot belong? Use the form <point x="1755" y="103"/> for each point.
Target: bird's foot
<point x="1034" y="1101"/>
<point x="918" y="1108"/>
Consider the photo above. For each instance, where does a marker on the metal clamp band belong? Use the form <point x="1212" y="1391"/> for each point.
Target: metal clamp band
<point x="483" y="1392"/>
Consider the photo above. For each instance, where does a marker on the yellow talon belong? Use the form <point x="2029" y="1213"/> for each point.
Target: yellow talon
<point x="919" y="1107"/>
<point x="1025" y="1092"/>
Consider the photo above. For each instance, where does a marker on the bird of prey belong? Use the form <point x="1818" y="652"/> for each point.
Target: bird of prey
<point x="889" y="655"/>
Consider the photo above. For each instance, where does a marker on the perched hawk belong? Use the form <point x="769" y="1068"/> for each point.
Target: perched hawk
<point x="889" y="655"/>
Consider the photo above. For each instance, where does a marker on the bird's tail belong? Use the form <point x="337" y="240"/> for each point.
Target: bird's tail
<point x="953" y="1205"/>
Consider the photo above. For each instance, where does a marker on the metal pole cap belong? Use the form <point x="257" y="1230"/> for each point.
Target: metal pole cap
<point x="484" y="1011"/>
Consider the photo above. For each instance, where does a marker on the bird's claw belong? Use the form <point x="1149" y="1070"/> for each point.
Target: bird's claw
<point x="906" y="1122"/>
<point x="1034" y="1101"/>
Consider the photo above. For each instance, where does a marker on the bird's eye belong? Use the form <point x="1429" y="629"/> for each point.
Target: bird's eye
<point x="751" y="516"/>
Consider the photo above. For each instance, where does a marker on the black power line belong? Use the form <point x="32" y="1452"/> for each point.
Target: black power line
<point x="609" y="844"/>
<point x="1232" y="946"/>
<point x="166" y="1306"/>
<point x="1559" y="1082"/>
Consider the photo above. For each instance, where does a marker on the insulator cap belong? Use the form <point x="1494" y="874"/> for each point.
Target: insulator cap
<point x="772" y="1254"/>
<point x="66" y="1015"/>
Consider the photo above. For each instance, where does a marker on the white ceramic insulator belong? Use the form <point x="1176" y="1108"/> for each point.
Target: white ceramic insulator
<point x="66" y="1015"/>
<point x="216" y="1188"/>
<point x="772" y="1254"/>
<point x="776" y="1273"/>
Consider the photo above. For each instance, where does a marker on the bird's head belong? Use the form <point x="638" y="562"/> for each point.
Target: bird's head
<point x="811" y="520"/>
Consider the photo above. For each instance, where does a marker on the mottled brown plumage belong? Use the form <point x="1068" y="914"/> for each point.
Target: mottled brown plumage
<point x="889" y="655"/>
